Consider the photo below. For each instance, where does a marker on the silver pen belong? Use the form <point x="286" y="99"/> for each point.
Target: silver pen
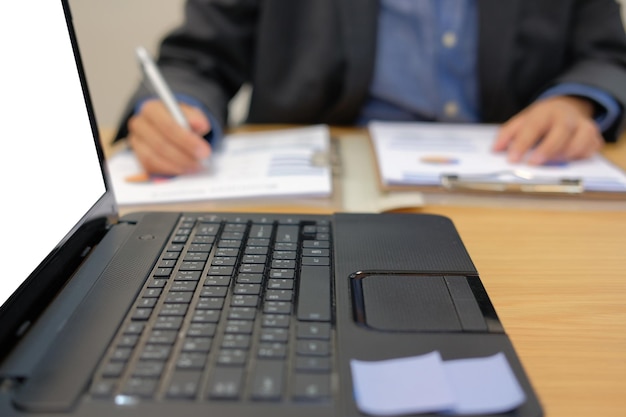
<point x="160" y="87"/>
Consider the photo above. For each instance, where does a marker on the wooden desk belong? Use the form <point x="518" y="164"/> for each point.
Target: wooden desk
<point x="557" y="278"/>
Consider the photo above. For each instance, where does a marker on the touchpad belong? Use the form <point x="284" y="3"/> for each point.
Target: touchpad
<point x="407" y="303"/>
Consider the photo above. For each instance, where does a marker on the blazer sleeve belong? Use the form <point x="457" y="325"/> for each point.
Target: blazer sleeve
<point x="208" y="57"/>
<point x="598" y="46"/>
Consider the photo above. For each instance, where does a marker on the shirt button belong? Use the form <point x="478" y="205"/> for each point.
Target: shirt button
<point x="449" y="39"/>
<point x="451" y="109"/>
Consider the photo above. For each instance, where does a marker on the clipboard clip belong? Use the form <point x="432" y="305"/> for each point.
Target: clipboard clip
<point x="517" y="181"/>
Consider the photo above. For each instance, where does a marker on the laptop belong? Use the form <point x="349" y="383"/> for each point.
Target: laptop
<point x="187" y="314"/>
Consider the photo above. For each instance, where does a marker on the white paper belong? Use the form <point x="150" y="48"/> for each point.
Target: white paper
<point x="420" y="153"/>
<point x="401" y="386"/>
<point x="427" y="384"/>
<point x="290" y="162"/>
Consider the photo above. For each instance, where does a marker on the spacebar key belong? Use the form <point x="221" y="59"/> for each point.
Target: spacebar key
<point x="314" y="294"/>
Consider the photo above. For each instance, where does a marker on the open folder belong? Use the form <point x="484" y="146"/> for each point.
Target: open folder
<point x="459" y="157"/>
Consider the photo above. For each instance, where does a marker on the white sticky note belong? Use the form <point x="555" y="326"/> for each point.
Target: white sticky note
<point x="427" y="384"/>
<point x="401" y="386"/>
<point x="483" y="385"/>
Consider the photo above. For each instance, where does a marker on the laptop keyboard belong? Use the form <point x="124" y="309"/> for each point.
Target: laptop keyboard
<point x="234" y="310"/>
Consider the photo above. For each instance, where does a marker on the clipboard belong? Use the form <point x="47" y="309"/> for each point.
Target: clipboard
<point x="438" y="157"/>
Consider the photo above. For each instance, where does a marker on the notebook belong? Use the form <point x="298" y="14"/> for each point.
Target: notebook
<point x="229" y="314"/>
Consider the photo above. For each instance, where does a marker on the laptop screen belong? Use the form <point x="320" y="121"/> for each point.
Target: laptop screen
<point x="49" y="170"/>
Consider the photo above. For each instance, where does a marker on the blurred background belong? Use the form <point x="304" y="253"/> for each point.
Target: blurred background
<point x="108" y="32"/>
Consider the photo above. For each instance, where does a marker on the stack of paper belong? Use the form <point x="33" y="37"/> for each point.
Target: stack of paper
<point x="290" y="162"/>
<point x="421" y="154"/>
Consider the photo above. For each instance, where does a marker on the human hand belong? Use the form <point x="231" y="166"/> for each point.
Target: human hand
<point x="559" y="128"/>
<point x="162" y="146"/>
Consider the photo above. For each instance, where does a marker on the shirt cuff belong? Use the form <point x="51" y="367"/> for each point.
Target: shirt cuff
<point x="608" y="111"/>
<point x="214" y="137"/>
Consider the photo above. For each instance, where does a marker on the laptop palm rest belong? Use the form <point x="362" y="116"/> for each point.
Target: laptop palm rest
<point x="63" y="373"/>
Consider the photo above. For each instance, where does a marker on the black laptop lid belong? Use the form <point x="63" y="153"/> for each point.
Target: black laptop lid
<point x="54" y="197"/>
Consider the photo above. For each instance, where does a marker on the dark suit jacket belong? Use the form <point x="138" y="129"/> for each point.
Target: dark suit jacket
<point x="311" y="61"/>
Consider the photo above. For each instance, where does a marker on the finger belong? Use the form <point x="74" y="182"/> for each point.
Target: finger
<point x="156" y="152"/>
<point x="531" y="132"/>
<point x="197" y="119"/>
<point x="551" y="147"/>
<point x="586" y="141"/>
<point x="182" y="143"/>
<point x="506" y="133"/>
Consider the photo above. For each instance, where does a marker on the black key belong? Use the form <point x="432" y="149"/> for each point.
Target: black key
<point x="324" y="244"/>
<point x="140" y="387"/>
<point x="148" y="369"/>
<point x="236" y="341"/>
<point x="134" y="328"/>
<point x="192" y="266"/>
<point x="163" y="337"/>
<point x="249" y="289"/>
<point x="173" y="310"/>
<point x="155" y="352"/>
<point x="242" y="313"/>
<point x="275" y="320"/>
<point x="272" y="350"/>
<point x="239" y="327"/>
<point x="189" y="360"/>
<point x="227" y="252"/>
<point x="314" y="294"/>
<point x="197" y="344"/>
<point x="280" y="284"/>
<point x="256" y="250"/>
<point x="196" y="257"/>
<point x="121" y="354"/>
<point x="128" y="341"/>
<point x="178" y="297"/>
<point x="187" y="276"/>
<point x="267" y="380"/>
<point x="113" y="369"/>
<point x="244" y="301"/>
<point x="284" y="254"/>
<point x="261" y="231"/>
<point x="292" y="246"/>
<point x="205" y="316"/>
<point x="311" y="387"/>
<point x="210" y="303"/>
<point x="213" y="292"/>
<point x="151" y="292"/>
<point x="287" y="234"/>
<point x="249" y="278"/>
<point x="319" y="331"/>
<point x="168" y="323"/>
<point x="103" y="389"/>
<point x="282" y="273"/>
<point x="278" y="295"/>
<point x="274" y="334"/>
<point x="201" y="330"/>
<point x="315" y="260"/>
<point x="183" y="286"/>
<point x="225" y="383"/>
<point x="312" y="364"/>
<point x="232" y="357"/>
<point x="277" y="307"/>
<point x="313" y="348"/>
<point x="184" y="384"/>
<point x="283" y="264"/>
<point x="218" y="280"/>
<point x="224" y="260"/>
<point x="141" y="314"/>
<point x="146" y="302"/>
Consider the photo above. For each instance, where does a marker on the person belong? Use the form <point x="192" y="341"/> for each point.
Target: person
<point x="552" y="73"/>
